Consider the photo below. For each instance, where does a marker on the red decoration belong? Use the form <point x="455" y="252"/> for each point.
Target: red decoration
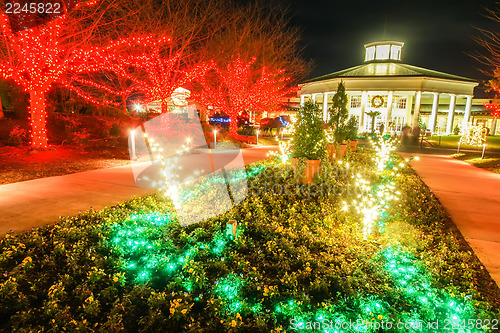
<point x="241" y="86"/>
<point x="50" y="53"/>
<point x="495" y="109"/>
<point x="157" y="75"/>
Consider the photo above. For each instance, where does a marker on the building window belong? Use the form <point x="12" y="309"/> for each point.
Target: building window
<point x="358" y="118"/>
<point x="370" y="53"/>
<point x="397" y="124"/>
<point x="382" y="52"/>
<point x="400" y="102"/>
<point x="355" y="101"/>
<point x="395" y="52"/>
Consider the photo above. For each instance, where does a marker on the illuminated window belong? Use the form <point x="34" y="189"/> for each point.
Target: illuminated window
<point x="395" y="52"/>
<point x="370" y="53"/>
<point x="400" y="102"/>
<point x="382" y="52"/>
<point x="397" y="124"/>
<point x="355" y="101"/>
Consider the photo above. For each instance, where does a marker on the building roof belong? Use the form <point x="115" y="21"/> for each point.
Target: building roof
<point x="388" y="69"/>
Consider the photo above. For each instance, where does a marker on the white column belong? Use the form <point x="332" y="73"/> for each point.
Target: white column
<point x="313" y="98"/>
<point x="468" y="107"/>
<point x="325" y="106"/>
<point x="493" y="126"/>
<point x="451" y="114"/>
<point x="431" y="125"/>
<point x="388" y="116"/>
<point x="416" y="112"/>
<point x="302" y="99"/>
<point x="364" y="99"/>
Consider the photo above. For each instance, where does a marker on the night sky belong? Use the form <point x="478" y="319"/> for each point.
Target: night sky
<point x="437" y="34"/>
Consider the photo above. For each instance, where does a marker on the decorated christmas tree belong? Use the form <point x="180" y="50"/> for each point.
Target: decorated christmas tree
<point x="309" y="140"/>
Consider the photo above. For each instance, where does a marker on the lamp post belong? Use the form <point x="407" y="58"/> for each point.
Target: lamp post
<point x="132" y="144"/>
<point x="257" y="141"/>
<point x="215" y="138"/>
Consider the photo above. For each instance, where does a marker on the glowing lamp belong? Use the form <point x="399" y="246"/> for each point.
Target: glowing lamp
<point x="132" y="141"/>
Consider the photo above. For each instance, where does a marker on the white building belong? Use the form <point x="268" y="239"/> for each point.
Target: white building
<point x="402" y="93"/>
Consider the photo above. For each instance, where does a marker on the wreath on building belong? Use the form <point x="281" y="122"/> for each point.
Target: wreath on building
<point x="377" y="101"/>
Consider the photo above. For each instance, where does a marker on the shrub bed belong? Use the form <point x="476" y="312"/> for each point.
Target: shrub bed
<point x="297" y="260"/>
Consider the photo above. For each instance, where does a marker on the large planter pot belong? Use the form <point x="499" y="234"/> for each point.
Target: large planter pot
<point x="294" y="162"/>
<point x="343" y="148"/>
<point x="331" y="150"/>
<point x="311" y="170"/>
<point x="354" y="143"/>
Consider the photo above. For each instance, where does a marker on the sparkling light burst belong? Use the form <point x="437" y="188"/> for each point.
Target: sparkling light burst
<point x="472" y="135"/>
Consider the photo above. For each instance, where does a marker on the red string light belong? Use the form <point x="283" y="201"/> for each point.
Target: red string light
<point x="495" y="109"/>
<point x="241" y="86"/>
<point x="40" y="57"/>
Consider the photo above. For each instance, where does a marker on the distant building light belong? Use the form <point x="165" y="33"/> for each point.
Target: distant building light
<point x="220" y="120"/>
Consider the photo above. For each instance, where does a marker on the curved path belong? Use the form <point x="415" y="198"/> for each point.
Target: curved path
<point x="34" y="203"/>
<point x="472" y="198"/>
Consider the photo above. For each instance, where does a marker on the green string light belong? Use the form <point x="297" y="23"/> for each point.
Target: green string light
<point x="142" y="243"/>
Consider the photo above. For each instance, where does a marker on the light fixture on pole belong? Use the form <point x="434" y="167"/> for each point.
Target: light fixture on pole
<point x="132" y="139"/>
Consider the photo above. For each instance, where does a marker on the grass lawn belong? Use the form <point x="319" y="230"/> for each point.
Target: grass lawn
<point x="489" y="163"/>
<point x="451" y="141"/>
<point x="298" y="259"/>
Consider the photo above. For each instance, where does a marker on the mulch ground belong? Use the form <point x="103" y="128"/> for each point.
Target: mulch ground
<point x="19" y="164"/>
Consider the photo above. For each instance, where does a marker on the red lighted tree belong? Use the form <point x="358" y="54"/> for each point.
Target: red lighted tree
<point x="157" y="71"/>
<point x="243" y="85"/>
<point x="59" y="51"/>
<point x="157" y="75"/>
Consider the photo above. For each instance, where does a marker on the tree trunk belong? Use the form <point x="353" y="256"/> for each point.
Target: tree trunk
<point x="124" y="102"/>
<point x="233" y="126"/>
<point x="38" y="120"/>
<point x="164" y="107"/>
<point x="1" y="109"/>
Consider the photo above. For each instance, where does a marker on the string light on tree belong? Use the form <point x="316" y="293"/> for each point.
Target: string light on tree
<point x="52" y="53"/>
<point x="241" y="85"/>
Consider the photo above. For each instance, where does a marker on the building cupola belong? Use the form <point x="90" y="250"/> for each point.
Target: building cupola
<point x="383" y="51"/>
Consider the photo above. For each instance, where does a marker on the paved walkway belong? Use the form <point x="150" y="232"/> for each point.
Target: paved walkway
<point x="42" y="201"/>
<point x="472" y="198"/>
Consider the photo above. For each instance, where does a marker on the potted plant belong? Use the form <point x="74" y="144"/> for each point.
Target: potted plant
<point x="351" y="129"/>
<point x="341" y="125"/>
<point x="309" y="140"/>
